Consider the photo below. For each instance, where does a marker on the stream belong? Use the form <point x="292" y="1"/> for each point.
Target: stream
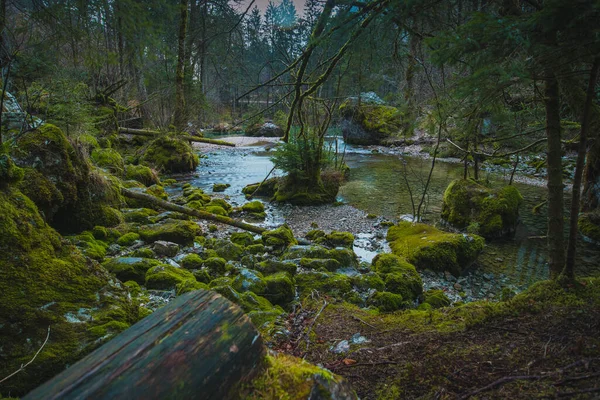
<point x="376" y="185"/>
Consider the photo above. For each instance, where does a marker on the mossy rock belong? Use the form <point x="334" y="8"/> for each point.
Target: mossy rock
<point x="492" y="213"/>
<point x="366" y="282"/>
<point x="128" y="239"/>
<point x="254" y="207"/>
<point x="267" y="189"/>
<point x="191" y="261"/>
<point x="436" y="298"/>
<point x="215" y="265"/>
<point x="142" y="174"/>
<point x="164" y="277"/>
<point x="10" y="173"/>
<point x="387" y="302"/>
<point x="280" y="288"/>
<point x="73" y="196"/>
<point x="332" y="284"/>
<point x="189" y="285"/>
<point x="429" y="248"/>
<point x="130" y="268"/>
<point x="217" y="210"/>
<point x="589" y="226"/>
<point x="335" y="239"/>
<point x="140" y="215"/>
<point x="47" y="282"/>
<point x="327" y="264"/>
<point x="249" y="281"/>
<point x="369" y="124"/>
<point x="281" y="237"/>
<point x="109" y="159"/>
<point x="176" y="231"/>
<point x="242" y="238"/>
<point x="287" y="377"/>
<point x="170" y="155"/>
<point x="220" y="187"/>
<point x="315" y="234"/>
<point x="258" y="248"/>
<point x="400" y="276"/>
<point x="228" y="250"/>
<point x="202" y="276"/>
<point x="292" y="190"/>
<point x="273" y="266"/>
<point x="220" y="203"/>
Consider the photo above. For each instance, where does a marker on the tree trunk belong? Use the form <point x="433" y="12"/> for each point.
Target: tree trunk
<point x="198" y="346"/>
<point x="569" y="271"/>
<point x="179" y="115"/>
<point x="183" y="136"/>
<point x="166" y="205"/>
<point x="556" y="247"/>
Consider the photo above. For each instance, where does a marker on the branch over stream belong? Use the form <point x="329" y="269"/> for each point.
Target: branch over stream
<point x="146" y="132"/>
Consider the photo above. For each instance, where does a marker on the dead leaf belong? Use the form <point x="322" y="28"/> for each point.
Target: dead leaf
<point x="348" y="361"/>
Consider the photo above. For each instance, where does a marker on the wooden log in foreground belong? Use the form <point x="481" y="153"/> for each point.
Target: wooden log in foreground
<point x="166" y="205"/>
<point x="199" y="346"/>
<point x="146" y="132"/>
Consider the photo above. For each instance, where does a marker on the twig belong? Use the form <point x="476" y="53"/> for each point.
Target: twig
<point x="364" y="322"/>
<point x="23" y="366"/>
<point x="573" y="393"/>
<point x="371" y="364"/>
<point x="325" y="303"/>
<point x="576" y="378"/>
<point x="264" y="180"/>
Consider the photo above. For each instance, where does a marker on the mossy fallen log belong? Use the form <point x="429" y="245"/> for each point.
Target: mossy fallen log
<point x="198" y="346"/>
<point x="150" y="133"/>
<point x="189" y="211"/>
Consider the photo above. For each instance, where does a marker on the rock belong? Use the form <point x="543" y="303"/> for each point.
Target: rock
<point x="109" y="159"/>
<point x="180" y="232"/>
<point x="130" y="268"/>
<point x="47" y="282"/>
<point x="228" y="250"/>
<point x="436" y="298"/>
<point x="242" y="238"/>
<point x="220" y="187"/>
<point x="164" y="277"/>
<point x="387" y="302"/>
<point x="280" y="288"/>
<point x="268" y="129"/>
<point x="128" y="239"/>
<point x="589" y="226"/>
<point x="248" y="280"/>
<point x="369" y="124"/>
<point x="280" y="237"/>
<point x="490" y="213"/>
<point x="429" y="248"/>
<point x="170" y="155"/>
<point x="165" y="249"/>
<point x="267" y="189"/>
<point x="142" y="174"/>
<point x="458" y="286"/>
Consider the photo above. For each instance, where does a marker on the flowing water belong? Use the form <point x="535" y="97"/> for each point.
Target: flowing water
<point x="382" y="185"/>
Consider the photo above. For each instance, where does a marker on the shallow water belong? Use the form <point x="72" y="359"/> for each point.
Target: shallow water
<point x="377" y="185"/>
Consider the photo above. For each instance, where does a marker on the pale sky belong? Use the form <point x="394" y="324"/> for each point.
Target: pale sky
<point x="262" y="4"/>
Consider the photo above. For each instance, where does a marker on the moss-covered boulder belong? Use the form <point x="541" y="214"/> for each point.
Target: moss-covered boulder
<point x="191" y="261"/>
<point x="280" y="288"/>
<point x="266" y="189"/>
<point x="164" y="277"/>
<point x="387" y="302"/>
<point x="130" y="268"/>
<point x="220" y="187"/>
<point x="287" y="377"/>
<point x="333" y="239"/>
<point x="139" y="215"/>
<point x="427" y="247"/>
<point x="273" y="266"/>
<point x="176" y="231"/>
<point x="128" y="239"/>
<point x="436" y="298"/>
<point x="142" y="174"/>
<point x="170" y="155"/>
<point x="369" y="124"/>
<point x="489" y="212"/>
<point x="332" y="284"/>
<point x="281" y="237"/>
<point x="589" y="226"/>
<point x="72" y="195"/>
<point x="10" y="173"/>
<point x="216" y="265"/>
<point x="46" y="282"/>
<point x="249" y="281"/>
<point x="399" y="275"/>
<point x="293" y="190"/>
<point x="255" y="209"/>
<point x="109" y="159"/>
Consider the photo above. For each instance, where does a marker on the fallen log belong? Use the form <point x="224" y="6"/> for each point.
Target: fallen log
<point x="166" y="205"/>
<point x="150" y="133"/>
<point x="198" y="346"/>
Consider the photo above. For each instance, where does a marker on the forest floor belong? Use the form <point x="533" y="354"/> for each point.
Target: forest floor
<point x="534" y="347"/>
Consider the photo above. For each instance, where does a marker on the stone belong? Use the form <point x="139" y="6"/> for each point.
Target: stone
<point x="165" y="249"/>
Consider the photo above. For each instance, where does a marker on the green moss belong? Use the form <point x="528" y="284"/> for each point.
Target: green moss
<point x="291" y="190"/>
<point x="253" y="207"/>
<point x="336" y="285"/>
<point x="242" y="238"/>
<point x="494" y="212"/>
<point x="346" y="257"/>
<point x="10" y="173"/>
<point x="170" y="155"/>
<point x="337" y="239"/>
<point x="427" y="247"/>
<point x="130" y="268"/>
<point x="41" y="190"/>
<point x="369" y="281"/>
<point x="144" y="252"/>
<point x="142" y="174"/>
<point x="189" y="285"/>
<point x="45" y="281"/>
<point x="140" y="215"/>
<point x="589" y="226"/>
<point x="176" y="231"/>
<point x="400" y="276"/>
<point x="249" y="281"/>
<point x="220" y="187"/>
<point x="202" y="276"/>
<point x="133" y="287"/>
<point x="290" y="378"/>
<point x="220" y="203"/>
<point x="280" y="237"/>
<point x="328" y="264"/>
<point x="216" y="265"/>
<point x="267" y="189"/>
<point x="379" y="121"/>
<point x="191" y="261"/>
<point x="273" y="266"/>
<point x="128" y="239"/>
<point x="315" y="234"/>
<point x="280" y="288"/>
<point x="228" y="250"/>
<point x="91" y="247"/>
<point x="100" y="233"/>
<point x="109" y="159"/>
<point x="213" y="228"/>
<point x="436" y="298"/>
<point x="163" y="277"/>
<point x="387" y="302"/>
<point x="216" y="210"/>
